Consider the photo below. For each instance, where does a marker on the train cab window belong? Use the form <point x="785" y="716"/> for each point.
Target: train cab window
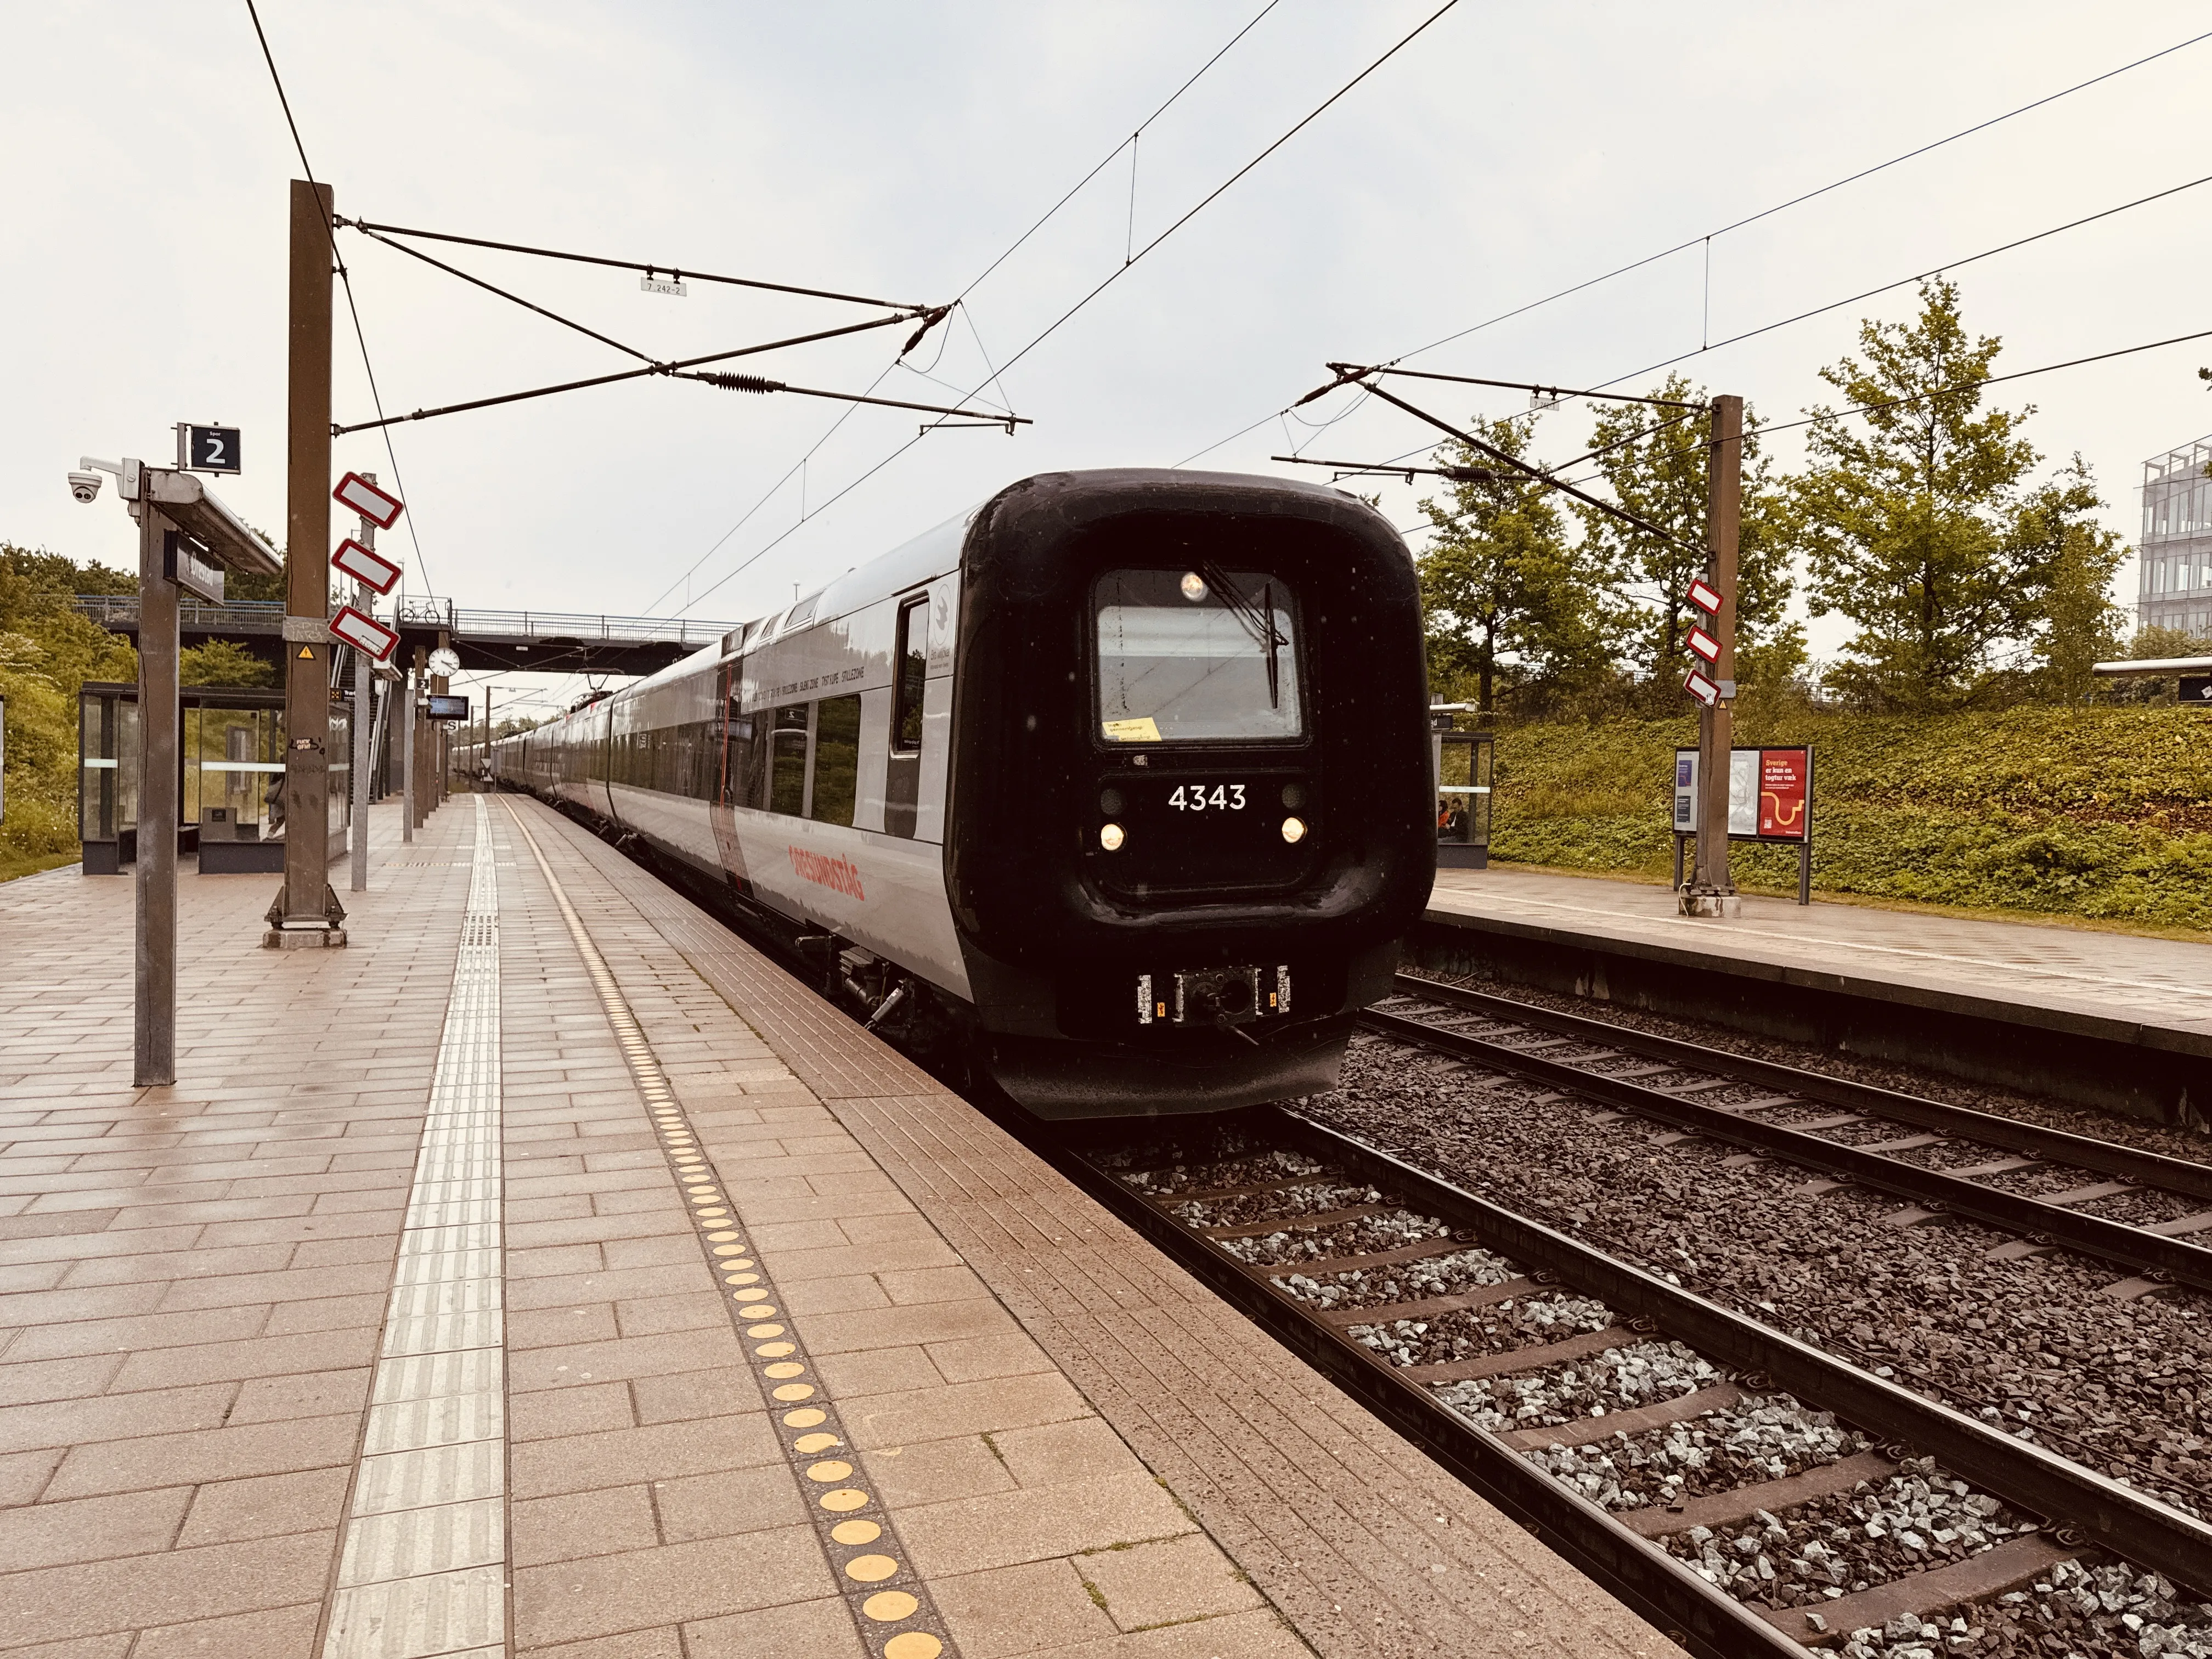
<point x="911" y="671"/>
<point x="1204" y="655"/>
<point x="836" y="759"/>
<point x="786" y="776"/>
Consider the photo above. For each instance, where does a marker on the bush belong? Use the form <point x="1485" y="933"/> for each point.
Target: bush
<point x="47" y="650"/>
<point x="2099" y="812"/>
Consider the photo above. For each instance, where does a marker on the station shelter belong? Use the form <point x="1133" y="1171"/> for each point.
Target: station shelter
<point x="231" y="756"/>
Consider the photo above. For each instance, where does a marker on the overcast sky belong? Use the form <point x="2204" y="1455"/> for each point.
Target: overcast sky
<point x="895" y="151"/>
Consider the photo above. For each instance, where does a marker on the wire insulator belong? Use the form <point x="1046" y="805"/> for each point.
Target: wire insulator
<point x="739" y="382"/>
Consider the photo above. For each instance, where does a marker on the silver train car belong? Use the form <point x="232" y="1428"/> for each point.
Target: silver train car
<point x="1121" y="778"/>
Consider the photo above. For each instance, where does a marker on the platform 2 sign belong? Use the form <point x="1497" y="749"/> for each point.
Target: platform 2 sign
<point x="1770" y="795"/>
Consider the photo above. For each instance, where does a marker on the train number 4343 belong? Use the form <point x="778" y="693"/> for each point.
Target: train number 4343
<point x="1197" y="797"/>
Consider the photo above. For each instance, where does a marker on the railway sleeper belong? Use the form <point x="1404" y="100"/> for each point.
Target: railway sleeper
<point x="1876" y="1541"/>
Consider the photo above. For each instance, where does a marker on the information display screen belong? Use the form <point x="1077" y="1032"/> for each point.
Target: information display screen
<point x="447" y="709"/>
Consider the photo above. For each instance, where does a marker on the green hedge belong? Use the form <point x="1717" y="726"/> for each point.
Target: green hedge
<point x="2103" y="812"/>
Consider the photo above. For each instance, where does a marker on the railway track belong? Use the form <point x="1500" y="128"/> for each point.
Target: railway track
<point x="1745" y="1490"/>
<point x="1805" y="1116"/>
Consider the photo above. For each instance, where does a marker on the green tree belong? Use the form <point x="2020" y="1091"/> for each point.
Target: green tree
<point x="1507" y="596"/>
<point x="2077" y="626"/>
<point x="48" y="649"/>
<point x="1654" y="466"/>
<point x="1917" y="517"/>
<point x="220" y="662"/>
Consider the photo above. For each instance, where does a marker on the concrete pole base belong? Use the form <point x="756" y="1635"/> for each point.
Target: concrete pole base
<point x="1704" y="902"/>
<point x="314" y="937"/>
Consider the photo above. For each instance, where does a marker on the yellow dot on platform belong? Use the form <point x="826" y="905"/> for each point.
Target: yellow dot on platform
<point x="732" y="1250"/>
<point x="871" y="1568"/>
<point x="856" y="1532"/>
<point x="723" y="1238"/>
<point x="756" y="1310"/>
<point x="775" y="1350"/>
<point x="763" y="1330"/>
<point x="742" y="1279"/>
<point x="889" y="1607"/>
<point x="827" y="1470"/>
<point x="710" y="1196"/>
<point x="811" y="1443"/>
<point x="785" y="1368"/>
<point x="806" y="1418"/>
<point x="795" y="1391"/>
<point x="844" y="1499"/>
<point x="717" y="1214"/>
<point x="911" y="1643"/>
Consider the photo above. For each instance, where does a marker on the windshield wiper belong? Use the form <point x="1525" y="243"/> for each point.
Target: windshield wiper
<point x="1256" y="620"/>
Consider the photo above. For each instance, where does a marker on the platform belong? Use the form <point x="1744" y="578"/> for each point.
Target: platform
<point x="547" y="1273"/>
<point x="2112" y="1019"/>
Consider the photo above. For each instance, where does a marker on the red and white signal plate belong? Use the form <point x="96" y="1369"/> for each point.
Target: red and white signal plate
<point x="1701" y="644"/>
<point x="1704" y="596"/>
<point x="1696" y="685"/>
<point x="379" y="508"/>
<point x="365" y="565"/>
<point x="363" y="633"/>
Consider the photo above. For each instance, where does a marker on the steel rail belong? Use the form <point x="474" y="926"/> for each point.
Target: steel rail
<point x="2179" y="1175"/>
<point x="2111" y="1241"/>
<point x="1652" y="1582"/>
<point x="2027" y="1476"/>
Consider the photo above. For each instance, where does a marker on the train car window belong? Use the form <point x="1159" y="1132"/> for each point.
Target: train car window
<point x="836" y="758"/>
<point x="787" y="779"/>
<point x="911" y="668"/>
<point x="1197" y="656"/>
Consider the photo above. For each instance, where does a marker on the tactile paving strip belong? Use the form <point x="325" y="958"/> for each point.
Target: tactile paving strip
<point x="889" y="1604"/>
<point x="424" y="1567"/>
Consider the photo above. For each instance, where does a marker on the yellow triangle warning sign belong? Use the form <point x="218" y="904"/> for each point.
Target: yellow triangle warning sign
<point x="306" y="654"/>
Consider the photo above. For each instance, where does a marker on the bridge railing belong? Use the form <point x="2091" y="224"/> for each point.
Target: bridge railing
<point x="265" y="617"/>
<point x="431" y="613"/>
<point x="253" y="616"/>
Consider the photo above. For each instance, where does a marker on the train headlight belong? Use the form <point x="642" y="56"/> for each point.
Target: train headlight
<point x="1294" y="830"/>
<point x="1193" y="586"/>
<point x="1110" y="838"/>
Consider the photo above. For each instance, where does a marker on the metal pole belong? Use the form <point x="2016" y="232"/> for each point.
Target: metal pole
<point x="1724" y="514"/>
<point x="408" y="742"/>
<point x="441" y="730"/>
<point x="302" y="907"/>
<point x="483" y="761"/>
<point x="363" y="680"/>
<point x="153" y="1007"/>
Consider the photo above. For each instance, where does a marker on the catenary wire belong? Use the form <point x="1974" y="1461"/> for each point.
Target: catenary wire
<point x="1779" y="207"/>
<point x="1119" y="271"/>
<point x="345" y="279"/>
<point x="1805" y="196"/>
<point x="1832" y="305"/>
<point x="976" y="282"/>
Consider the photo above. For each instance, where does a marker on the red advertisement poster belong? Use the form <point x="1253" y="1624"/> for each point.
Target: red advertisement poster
<point x="1785" y="777"/>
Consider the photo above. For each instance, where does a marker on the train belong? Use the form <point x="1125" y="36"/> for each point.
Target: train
<point x="1119" y="783"/>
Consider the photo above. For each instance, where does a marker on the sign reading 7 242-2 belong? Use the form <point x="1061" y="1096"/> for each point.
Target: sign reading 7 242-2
<point x="212" y="449"/>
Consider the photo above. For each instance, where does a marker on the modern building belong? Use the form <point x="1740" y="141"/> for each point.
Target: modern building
<point x="2176" y="585"/>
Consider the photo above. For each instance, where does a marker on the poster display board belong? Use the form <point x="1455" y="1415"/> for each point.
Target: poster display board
<point x="1770" y="799"/>
<point x="1770" y="793"/>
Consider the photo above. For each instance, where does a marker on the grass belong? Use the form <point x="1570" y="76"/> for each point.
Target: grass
<point x="13" y="864"/>
<point x="2086" y="816"/>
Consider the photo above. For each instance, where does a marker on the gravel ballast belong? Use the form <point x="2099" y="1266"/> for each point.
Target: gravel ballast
<point x="2032" y="1343"/>
<point x="1759" y="1438"/>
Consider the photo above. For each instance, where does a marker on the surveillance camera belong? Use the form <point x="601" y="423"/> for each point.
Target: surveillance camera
<point x="85" y="486"/>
